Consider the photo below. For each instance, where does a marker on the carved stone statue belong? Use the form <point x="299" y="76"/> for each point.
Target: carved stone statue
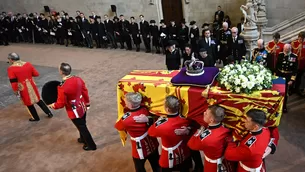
<point x="250" y="12"/>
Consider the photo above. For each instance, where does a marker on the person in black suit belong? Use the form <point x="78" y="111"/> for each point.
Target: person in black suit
<point x="172" y="59"/>
<point x="240" y="26"/>
<point x="194" y="36"/>
<point x="206" y="58"/>
<point x="109" y="28"/>
<point x="154" y="32"/>
<point x="85" y="30"/>
<point x="163" y="35"/>
<point x="144" y="31"/>
<point x="228" y="20"/>
<point x="183" y="36"/>
<point x="223" y="36"/>
<point x="236" y="44"/>
<point x="134" y="31"/>
<point x="187" y="55"/>
<point x="209" y="44"/>
<point x="220" y="14"/>
<point x="124" y="31"/>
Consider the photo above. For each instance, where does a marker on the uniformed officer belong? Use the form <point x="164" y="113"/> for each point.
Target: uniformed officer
<point x="175" y="155"/>
<point x="236" y="45"/>
<point x="73" y="95"/>
<point x="136" y="122"/>
<point x="224" y="34"/>
<point x="274" y="47"/>
<point x="260" y="54"/>
<point x="287" y="67"/>
<point x="250" y="150"/>
<point x="21" y="76"/>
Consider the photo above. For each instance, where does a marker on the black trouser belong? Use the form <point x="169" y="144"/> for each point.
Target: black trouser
<point x="183" y="167"/>
<point x="112" y="40"/>
<point x="146" y="42"/>
<point x="33" y="111"/>
<point x="84" y="133"/>
<point x="196" y="157"/>
<point x="153" y="159"/>
<point x="126" y="38"/>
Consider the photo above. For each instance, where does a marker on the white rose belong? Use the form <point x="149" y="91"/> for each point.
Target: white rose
<point x="237" y="81"/>
<point x="244" y="84"/>
<point x="250" y="85"/>
<point x="259" y="87"/>
<point x="237" y="90"/>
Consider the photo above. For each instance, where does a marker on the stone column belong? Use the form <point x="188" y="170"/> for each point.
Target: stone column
<point x="261" y="17"/>
<point x="250" y="32"/>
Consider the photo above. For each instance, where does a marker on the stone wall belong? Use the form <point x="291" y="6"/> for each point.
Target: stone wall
<point x="280" y="10"/>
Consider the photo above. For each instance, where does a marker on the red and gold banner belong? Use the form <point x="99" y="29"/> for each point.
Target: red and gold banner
<point x="155" y="85"/>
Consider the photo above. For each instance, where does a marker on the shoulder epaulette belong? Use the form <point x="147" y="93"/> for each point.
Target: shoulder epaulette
<point x="250" y="141"/>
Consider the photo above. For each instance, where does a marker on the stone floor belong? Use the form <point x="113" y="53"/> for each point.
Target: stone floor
<point x="50" y="145"/>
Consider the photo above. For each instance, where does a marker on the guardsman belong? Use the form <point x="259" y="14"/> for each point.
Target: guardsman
<point x="224" y="34"/>
<point x="298" y="48"/>
<point x="211" y="139"/>
<point x="21" y="76"/>
<point x="73" y="95"/>
<point x="136" y="123"/>
<point x="237" y="47"/>
<point x="175" y="155"/>
<point x="250" y="150"/>
<point x="260" y="54"/>
<point x="274" y="47"/>
<point x="287" y="67"/>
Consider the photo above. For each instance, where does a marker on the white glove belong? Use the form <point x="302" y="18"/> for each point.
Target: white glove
<point x="162" y="34"/>
<point x="192" y="35"/>
<point x="267" y="152"/>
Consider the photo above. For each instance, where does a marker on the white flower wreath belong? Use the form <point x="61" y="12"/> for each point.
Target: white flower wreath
<point x="245" y="78"/>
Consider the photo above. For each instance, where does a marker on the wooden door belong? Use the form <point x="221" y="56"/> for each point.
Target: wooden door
<point x="172" y="10"/>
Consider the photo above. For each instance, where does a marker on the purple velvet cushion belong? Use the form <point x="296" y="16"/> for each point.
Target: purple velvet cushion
<point x="210" y="73"/>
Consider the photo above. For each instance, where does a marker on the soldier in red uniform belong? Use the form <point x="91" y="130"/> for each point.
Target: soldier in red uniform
<point x="274" y="47"/>
<point x="175" y="155"/>
<point x="211" y="139"/>
<point x="136" y="122"/>
<point x="249" y="151"/>
<point x="73" y="95"/>
<point x="298" y="48"/>
<point x="21" y="76"/>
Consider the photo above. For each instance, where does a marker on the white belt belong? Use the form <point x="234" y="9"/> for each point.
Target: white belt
<point x="74" y="109"/>
<point x="258" y="169"/>
<point x="214" y="161"/>
<point x="171" y="154"/>
<point x="138" y="144"/>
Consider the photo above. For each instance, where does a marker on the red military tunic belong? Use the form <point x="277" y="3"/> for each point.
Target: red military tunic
<point x="274" y="49"/>
<point x="250" y="151"/>
<point x="298" y="48"/>
<point x="73" y="95"/>
<point x="21" y="77"/>
<point x="212" y="141"/>
<point x="174" y="147"/>
<point x="142" y="145"/>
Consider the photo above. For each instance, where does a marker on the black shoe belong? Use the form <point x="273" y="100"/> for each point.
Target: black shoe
<point x="285" y="110"/>
<point x="79" y="140"/>
<point x="86" y="148"/>
<point x="32" y="120"/>
<point x="158" y="52"/>
<point x="137" y="50"/>
<point x="147" y="51"/>
<point x="50" y="115"/>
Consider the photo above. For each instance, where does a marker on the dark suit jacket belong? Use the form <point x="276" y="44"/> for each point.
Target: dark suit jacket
<point x="211" y="49"/>
<point x="221" y="15"/>
<point x="237" y="49"/>
<point x="239" y="28"/>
